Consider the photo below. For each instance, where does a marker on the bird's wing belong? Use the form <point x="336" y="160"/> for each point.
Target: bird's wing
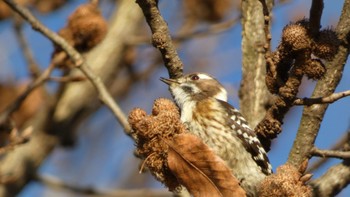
<point x="248" y="138"/>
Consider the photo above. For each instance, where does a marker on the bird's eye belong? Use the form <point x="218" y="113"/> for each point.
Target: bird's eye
<point x="194" y="77"/>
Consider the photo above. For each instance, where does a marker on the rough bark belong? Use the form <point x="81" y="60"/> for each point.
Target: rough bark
<point x="253" y="93"/>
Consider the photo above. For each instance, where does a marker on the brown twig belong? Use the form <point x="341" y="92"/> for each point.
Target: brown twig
<point x="32" y="65"/>
<point x="17" y="102"/>
<point x="161" y="37"/>
<point x="315" y="16"/>
<point x="66" y="79"/>
<point x="55" y="183"/>
<point x="211" y="30"/>
<point x="338" y="145"/>
<point x="267" y="18"/>
<point x="78" y="60"/>
<point x="322" y="100"/>
<point x="18" y="140"/>
<point x="330" y="153"/>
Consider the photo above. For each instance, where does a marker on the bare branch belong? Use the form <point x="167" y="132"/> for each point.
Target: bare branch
<point x="330" y="153"/>
<point x="211" y="30"/>
<point x="333" y="181"/>
<point x="322" y="100"/>
<point x="18" y="140"/>
<point x="338" y="145"/>
<point x="55" y="183"/>
<point x="66" y="79"/>
<point x="78" y="60"/>
<point x="161" y="37"/>
<point x="254" y="94"/>
<point x="17" y="102"/>
<point x="32" y="65"/>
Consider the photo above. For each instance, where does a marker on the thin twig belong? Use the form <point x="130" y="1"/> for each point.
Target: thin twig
<point x="338" y="145"/>
<point x="32" y="65"/>
<point x="267" y="18"/>
<point x="330" y="153"/>
<point x="211" y="30"/>
<point x="78" y="60"/>
<point x="55" y="183"/>
<point x="322" y="100"/>
<point x="161" y="37"/>
<point x="17" y="103"/>
<point x="66" y="79"/>
<point x="18" y="140"/>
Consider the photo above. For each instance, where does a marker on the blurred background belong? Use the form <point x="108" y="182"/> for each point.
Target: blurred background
<point x="99" y="158"/>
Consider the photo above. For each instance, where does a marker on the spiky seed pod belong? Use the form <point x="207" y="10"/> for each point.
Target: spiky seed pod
<point x="296" y="37"/>
<point x="286" y="182"/>
<point x="314" y="69"/>
<point x="88" y="27"/>
<point x="151" y="133"/>
<point x="326" y="44"/>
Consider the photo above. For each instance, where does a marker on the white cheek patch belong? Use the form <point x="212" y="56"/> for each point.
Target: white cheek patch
<point x="180" y="95"/>
<point x="203" y="76"/>
<point x="222" y="95"/>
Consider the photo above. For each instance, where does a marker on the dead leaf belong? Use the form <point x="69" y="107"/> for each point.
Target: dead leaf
<point x="198" y="168"/>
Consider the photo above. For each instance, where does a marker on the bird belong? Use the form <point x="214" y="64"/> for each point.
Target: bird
<point x="206" y="113"/>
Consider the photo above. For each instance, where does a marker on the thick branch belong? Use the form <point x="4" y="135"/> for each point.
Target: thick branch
<point x="253" y="92"/>
<point x="315" y="16"/>
<point x="313" y="115"/>
<point x="161" y="37"/>
<point x="322" y="100"/>
<point x="333" y="181"/>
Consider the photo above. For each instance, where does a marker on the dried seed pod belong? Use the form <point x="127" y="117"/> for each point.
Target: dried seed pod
<point x="151" y="133"/>
<point x="286" y="182"/>
<point x="314" y="69"/>
<point x="326" y="44"/>
<point x="296" y="36"/>
<point x="88" y="27"/>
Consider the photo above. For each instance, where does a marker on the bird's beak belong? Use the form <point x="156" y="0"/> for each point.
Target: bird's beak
<point x="168" y="81"/>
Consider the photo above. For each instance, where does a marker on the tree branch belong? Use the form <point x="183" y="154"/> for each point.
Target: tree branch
<point x="78" y="60"/>
<point x="338" y="145"/>
<point x="330" y="153"/>
<point x="32" y="65"/>
<point x="55" y="183"/>
<point x="181" y="37"/>
<point x="315" y="16"/>
<point x="333" y="181"/>
<point x="5" y="114"/>
<point x="161" y="37"/>
<point x="254" y="94"/>
<point x="322" y="100"/>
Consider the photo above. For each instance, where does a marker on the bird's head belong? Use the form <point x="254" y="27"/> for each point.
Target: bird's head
<point x="195" y="87"/>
